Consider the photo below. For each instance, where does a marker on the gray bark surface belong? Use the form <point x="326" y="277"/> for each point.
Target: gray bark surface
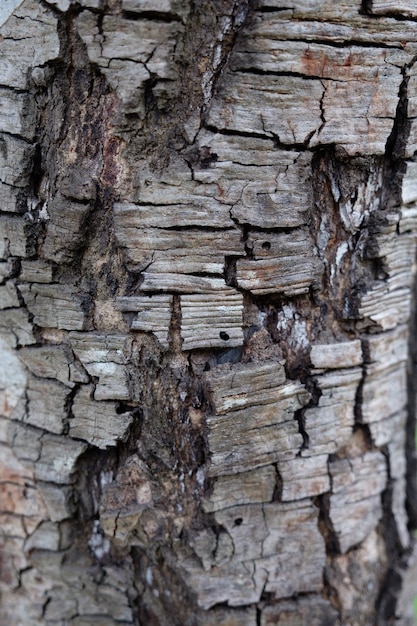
<point x="208" y="227"/>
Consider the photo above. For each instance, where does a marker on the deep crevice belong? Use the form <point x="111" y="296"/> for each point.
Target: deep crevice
<point x="153" y="16"/>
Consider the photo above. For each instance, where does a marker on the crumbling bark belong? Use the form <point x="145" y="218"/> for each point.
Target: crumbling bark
<point x="207" y="328"/>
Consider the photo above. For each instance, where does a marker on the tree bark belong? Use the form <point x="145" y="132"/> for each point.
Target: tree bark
<point x="207" y="327"/>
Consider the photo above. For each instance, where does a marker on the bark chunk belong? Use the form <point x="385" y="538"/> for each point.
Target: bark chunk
<point x="98" y="423"/>
<point x="212" y="320"/>
<point x="254" y="422"/>
<point x="357" y="484"/>
<point x="55" y="306"/>
<point x="153" y="314"/>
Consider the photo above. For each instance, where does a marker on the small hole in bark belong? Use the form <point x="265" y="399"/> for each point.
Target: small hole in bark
<point x="266" y="245"/>
<point x="238" y="521"/>
<point x="122" y="408"/>
<point x="224" y="336"/>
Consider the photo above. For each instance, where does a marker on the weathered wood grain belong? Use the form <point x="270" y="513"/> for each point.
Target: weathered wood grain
<point x="346" y="75"/>
<point x="14" y="115"/>
<point x="57" y="459"/>
<point x="385" y="386"/>
<point x="269" y="245"/>
<point x="254" y="437"/>
<point x="270" y="196"/>
<point x="236" y="584"/>
<point x="103" y="357"/>
<point x="64" y="5"/>
<point x="307" y="564"/>
<point x="331" y="23"/>
<point x="98" y="423"/>
<point x="14" y="471"/>
<point x="411" y="73"/>
<point x="125" y="499"/>
<point x="57" y="499"/>
<point x="211" y="320"/>
<point x="273" y="206"/>
<point x="47" y="404"/>
<point x="269" y="52"/>
<point x="243" y="523"/>
<point x="201" y="211"/>
<point x="246" y="105"/>
<point x="329" y="425"/>
<point x="271" y="524"/>
<point x="11" y="199"/>
<point x="15" y="163"/>
<point x="336" y="355"/>
<point x="304" y="477"/>
<point x="408" y="221"/>
<point x="384" y="429"/>
<point x="240" y="386"/>
<point x="184" y="251"/>
<point x="26" y="443"/>
<point x="254" y="423"/>
<point x="412" y="144"/>
<point x="65" y="229"/>
<point x="153" y="314"/>
<point x="184" y="283"/>
<point x="97" y="347"/>
<point x="12" y="526"/>
<point x="385" y="350"/>
<point x="36" y="271"/>
<point x="251" y="487"/>
<point x="237" y="171"/>
<point x="409" y="186"/>
<point x="129" y="52"/>
<point x="15" y="499"/>
<point x="393" y="308"/>
<point x="127" y="77"/>
<point x="397" y="254"/>
<point x="174" y="185"/>
<point x="122" y="35"/>
<point x="55" y="306"/>
<point x="14" y="560"/>
<point x="29" y="39"/>
<point x="53" y="362"/>
<point x="281" y="263"/>
<point x="14" y="238"/>
<point x="220" y="154"/>
<point x="386" y="7"/>
<point x="355" y="503"/>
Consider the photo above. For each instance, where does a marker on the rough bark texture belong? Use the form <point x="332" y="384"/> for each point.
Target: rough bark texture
<point x="207" y="328"/>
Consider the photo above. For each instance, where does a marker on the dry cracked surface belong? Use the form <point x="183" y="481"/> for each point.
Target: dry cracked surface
<point x="208" y="226"/>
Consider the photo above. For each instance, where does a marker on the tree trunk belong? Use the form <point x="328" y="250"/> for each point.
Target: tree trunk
<point x="208" y="361"/>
